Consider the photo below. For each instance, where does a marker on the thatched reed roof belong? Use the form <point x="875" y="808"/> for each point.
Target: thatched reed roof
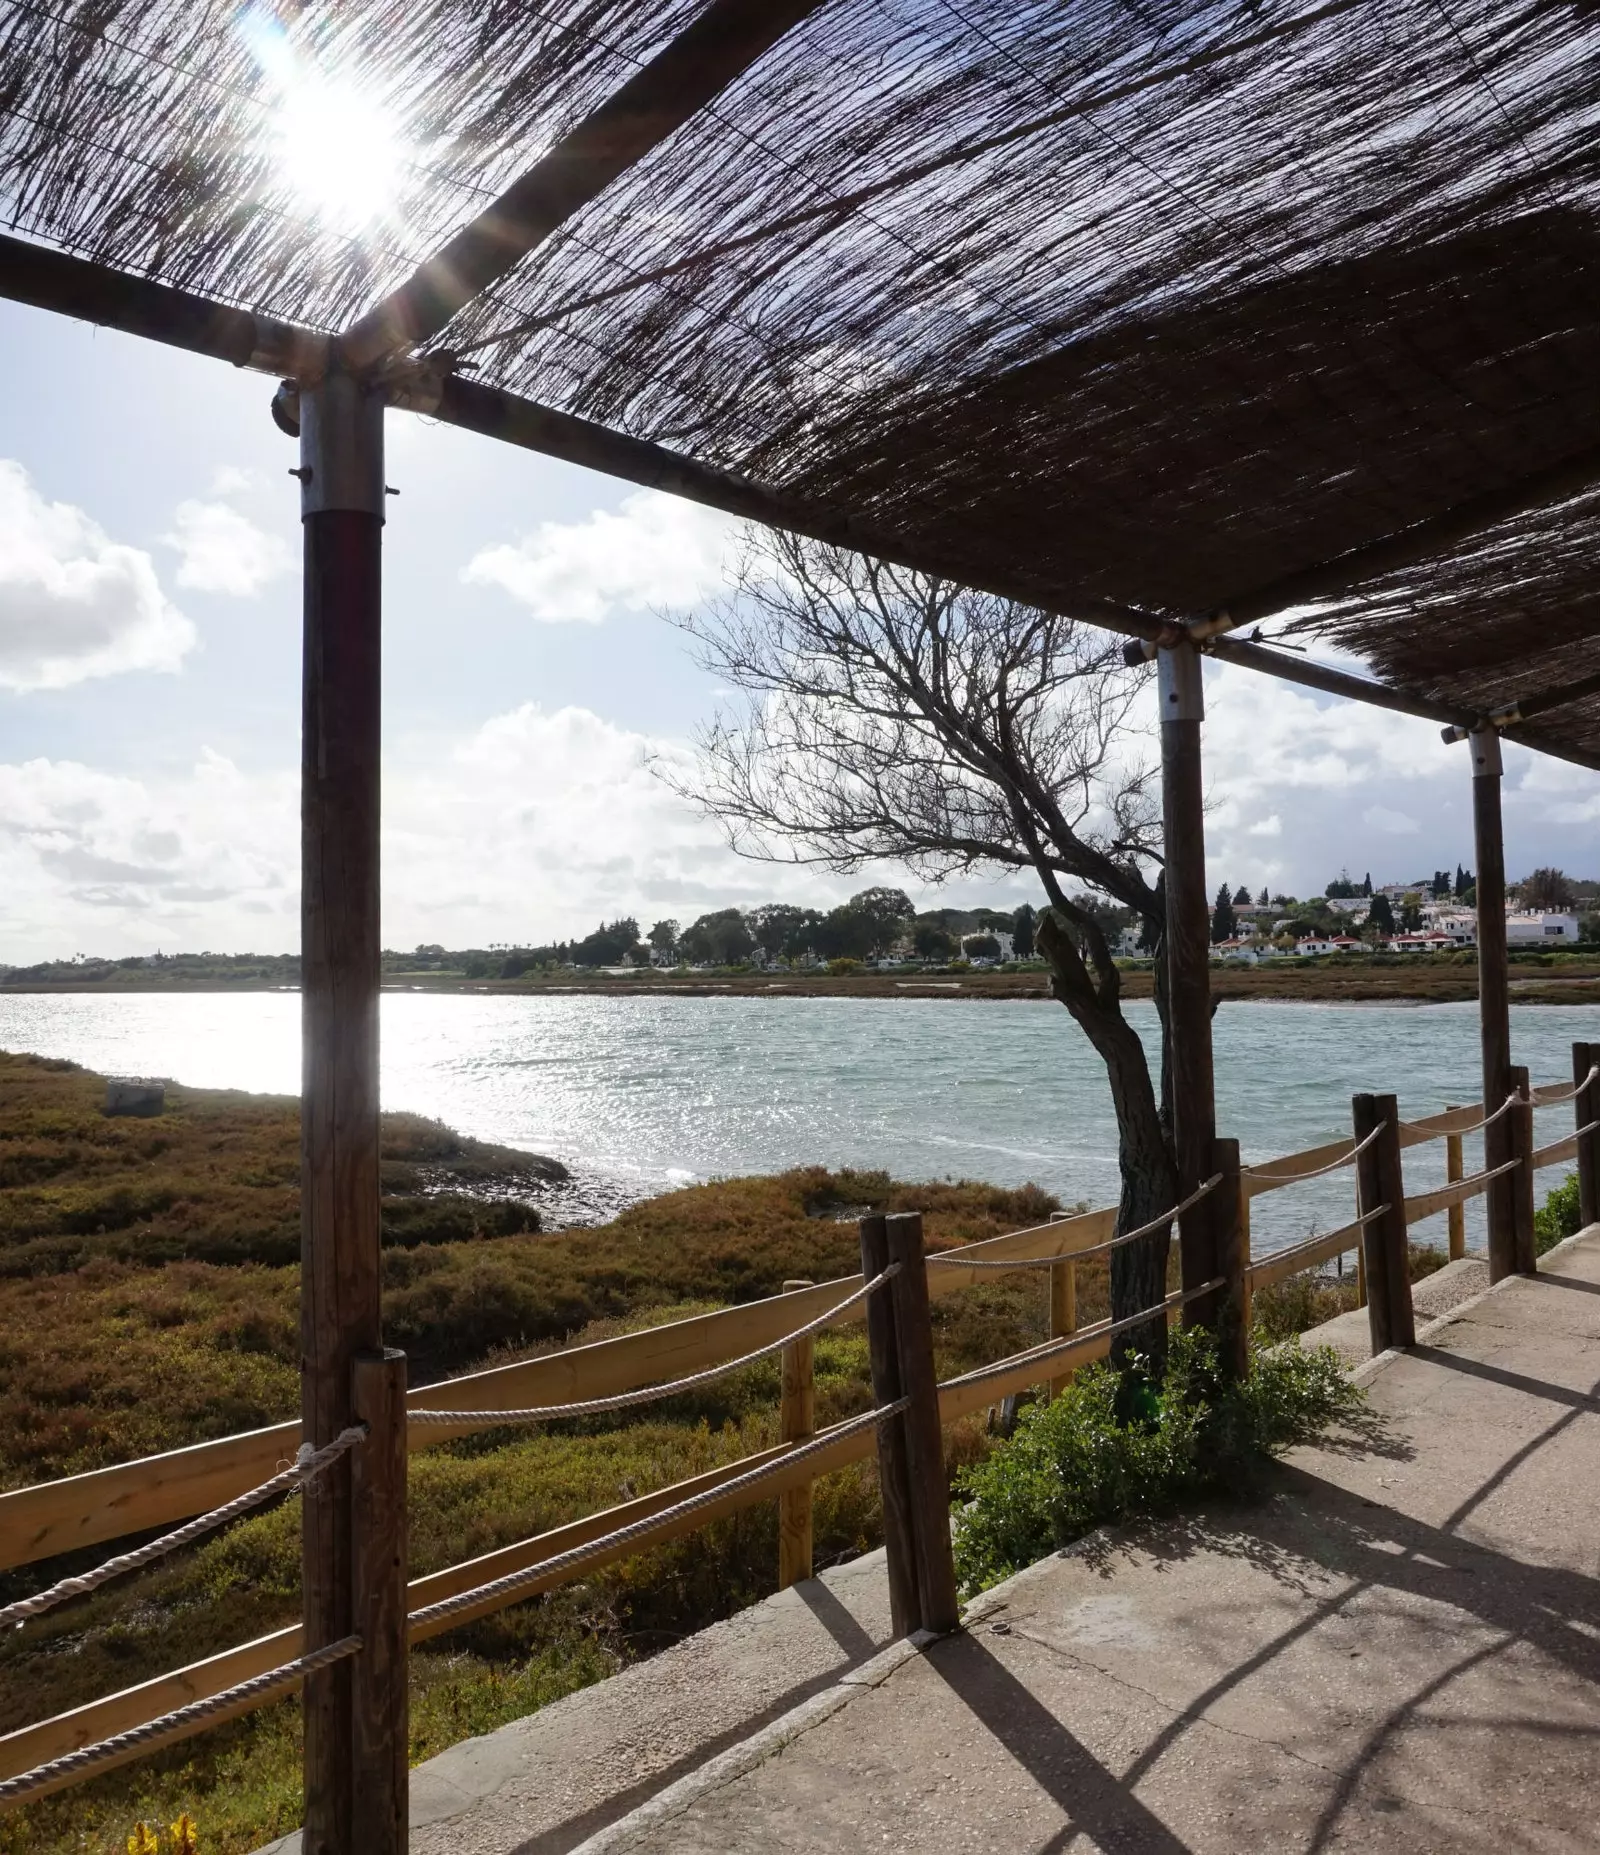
<point x="1164" y="305"/>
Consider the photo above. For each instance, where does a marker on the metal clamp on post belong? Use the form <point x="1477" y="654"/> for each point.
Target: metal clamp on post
<point x="1182" y="690"/>
<point x="341" y="447"/>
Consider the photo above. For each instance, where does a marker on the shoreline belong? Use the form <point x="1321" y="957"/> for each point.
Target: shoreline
<point x="1352" y="984"/>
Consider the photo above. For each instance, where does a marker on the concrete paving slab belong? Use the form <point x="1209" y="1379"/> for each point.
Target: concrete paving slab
<point x="1395" y="1651"/>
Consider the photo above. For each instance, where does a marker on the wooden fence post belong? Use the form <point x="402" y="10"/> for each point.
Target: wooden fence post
<point x="1586" y="1106"/>
<point x="797" y="1421"/>
<point x="1233" y="1257"/>
<point x="1245" y="1249"/>
<point x="1522" y="1181"/>
<point x="905" y="1610"/>
<point x="1063" y="1314"/>
<point x="380" y="1706"/>
<point x="1380" y="1181"/>
<point x="1454" y="1172"/>
<point x="925" y="1471"/>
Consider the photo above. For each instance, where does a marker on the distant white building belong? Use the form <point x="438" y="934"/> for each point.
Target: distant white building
<point x="1336" y="943"/>
<point x="1523" y="927"/>
<point x="1004" y="941"/>
<point x="1244" y="952"/>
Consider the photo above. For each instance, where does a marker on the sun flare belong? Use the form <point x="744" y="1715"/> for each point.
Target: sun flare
<point x="334" y="145"/>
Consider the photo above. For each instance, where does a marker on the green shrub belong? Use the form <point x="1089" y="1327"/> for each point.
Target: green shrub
<point x="1558" y="1217"/>
<point x="1075" y="1464"/>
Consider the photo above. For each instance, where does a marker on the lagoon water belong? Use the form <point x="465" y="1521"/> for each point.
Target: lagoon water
<point x="639" y="1094"/>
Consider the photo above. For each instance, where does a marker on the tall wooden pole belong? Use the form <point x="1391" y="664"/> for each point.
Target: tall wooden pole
<point x="342" y="507"/>
<point x="1494" y="995"/>
<point x="1188" y="949"/>
<point x="894" y="1481"/>
<point x="1586" y="1109"/>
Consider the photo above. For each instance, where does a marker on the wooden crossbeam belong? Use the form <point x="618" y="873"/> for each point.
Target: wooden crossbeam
<point x="700" y="63"/>
<point x="72" y="286"/>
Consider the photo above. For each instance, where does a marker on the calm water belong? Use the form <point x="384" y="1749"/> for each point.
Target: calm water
<point x="640" y="1094"/>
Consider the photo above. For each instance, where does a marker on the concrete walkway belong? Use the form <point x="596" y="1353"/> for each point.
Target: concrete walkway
<point x="1396" y="1651"/>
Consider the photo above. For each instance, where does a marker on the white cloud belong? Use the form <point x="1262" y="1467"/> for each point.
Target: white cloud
<point x="532" y="826"/>
<point x="1390" y="822"/>
<point x="1270" y="826"/>
<point x="91" y="859"/>
<point x="74" y="603"/>
<point x="656" y="550"/>
<point x="222" y="550"/>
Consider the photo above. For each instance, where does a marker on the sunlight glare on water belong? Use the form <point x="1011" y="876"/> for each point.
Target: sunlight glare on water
<point x="646" y="1093"/>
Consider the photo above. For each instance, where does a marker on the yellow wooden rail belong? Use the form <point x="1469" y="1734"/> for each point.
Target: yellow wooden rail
<point x="115" y="1713"/>
<point x="84" y="1510"/>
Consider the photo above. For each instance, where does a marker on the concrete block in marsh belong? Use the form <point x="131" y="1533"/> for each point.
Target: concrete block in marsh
<point x="135" y="1095"/>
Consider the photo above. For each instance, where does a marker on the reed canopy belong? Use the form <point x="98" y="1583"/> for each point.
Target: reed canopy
<point x="1160" y="312"/>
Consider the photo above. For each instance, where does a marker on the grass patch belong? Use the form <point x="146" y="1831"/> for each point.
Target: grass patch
<point x="181" y="1323"/>
<point x="1075" y="1463"/>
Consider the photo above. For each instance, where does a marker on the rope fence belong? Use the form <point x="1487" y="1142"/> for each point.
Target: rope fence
<point x="1333" y="1165"/>
<point x="304" y="1469"/>
<point x="647" y="1394"/>
<point x="74" y="1766"/>
<point x="503" y="1588"/>
<point x="1097" y="1249"/>
<point x="1571" y="1094"/>
<point x="1105" y="1329"/>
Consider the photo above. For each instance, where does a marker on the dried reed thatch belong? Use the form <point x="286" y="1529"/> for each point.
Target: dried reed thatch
<point x="1163" y="301"/>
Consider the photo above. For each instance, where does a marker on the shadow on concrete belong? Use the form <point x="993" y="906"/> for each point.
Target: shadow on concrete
<point x="1512" y="1381"/>
<point x="1102" y="1806"/>
<point x="836" y="1619"/>
<point x="1566" y="1281"/>
<point x="856" y="1646"/>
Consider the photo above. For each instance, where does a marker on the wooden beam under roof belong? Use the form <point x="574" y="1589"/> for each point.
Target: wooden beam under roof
<point x="682" y="78"/>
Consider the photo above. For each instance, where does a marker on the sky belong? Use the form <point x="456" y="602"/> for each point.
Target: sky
<point x="149" y="693"/>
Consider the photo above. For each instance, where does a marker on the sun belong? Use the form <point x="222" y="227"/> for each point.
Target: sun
<point x="334" y="145"/>
<point x="339" y="152"/>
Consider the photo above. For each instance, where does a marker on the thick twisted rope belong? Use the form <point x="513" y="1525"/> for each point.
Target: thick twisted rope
<point x="306" y="1467"/>
<point x="185" y="1719"/>
<point x="647" y="1394"/>
<point x="1572" y="1094"/>
<point x="1333" y="1165"/>
<point x="1105" y="1329"/>
<point x="1513" y="1100"/>
<point x="1097" y="1249"/>
<point x="507" y="1587"/>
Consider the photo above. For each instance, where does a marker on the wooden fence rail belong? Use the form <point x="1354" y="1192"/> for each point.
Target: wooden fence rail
<point x="54" y="1517"/>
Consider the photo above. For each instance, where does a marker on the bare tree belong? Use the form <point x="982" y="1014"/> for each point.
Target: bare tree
<point x="893" y="717"/>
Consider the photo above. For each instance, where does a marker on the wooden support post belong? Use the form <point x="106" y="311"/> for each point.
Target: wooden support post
<point x="1063" y="1314"/>
<point x="894" y="1484"/>
<point x="926" y="1476"/>
<point x="1361" y="1269"/>
<point x="1380" y="1181"/>
<point x="1520" y="1120"/>
<point x="1233" y="1257"/>
<point x="1454" y="1171"/>
<point x="342" y="507"/>
<point x="380" y="1709"/>
<point x="797" y="1420"/>
<point x="1586" y="1106"/>
<point x="1188" y="952"/>
<point x="1246" y="1251"/>
<point x="1494" y="996"/>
